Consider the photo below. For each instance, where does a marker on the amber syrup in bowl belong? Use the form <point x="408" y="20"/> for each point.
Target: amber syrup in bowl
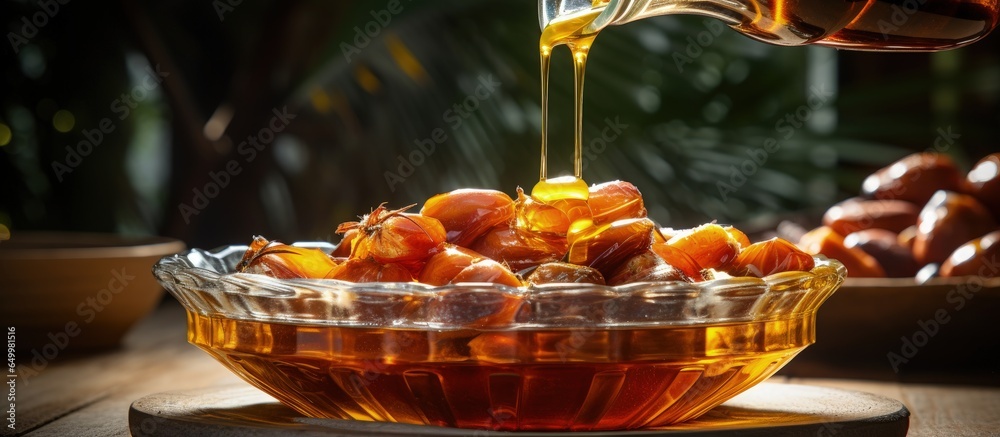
<point x="552" y="379"/>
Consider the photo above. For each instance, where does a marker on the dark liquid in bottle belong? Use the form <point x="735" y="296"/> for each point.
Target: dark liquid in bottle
<point x="916" y="25"/>
<point x="882" y="25"/>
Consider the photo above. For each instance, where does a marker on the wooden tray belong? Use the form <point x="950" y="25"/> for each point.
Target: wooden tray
<point x="860" y="332"/>
<point x="768" y="409"/>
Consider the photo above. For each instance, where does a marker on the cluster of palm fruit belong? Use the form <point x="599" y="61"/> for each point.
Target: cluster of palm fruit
<point x="919" y="216"/>
<point x="484" y="236"/>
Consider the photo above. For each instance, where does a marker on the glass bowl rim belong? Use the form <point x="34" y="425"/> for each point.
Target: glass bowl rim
<point x="205" y="283"/>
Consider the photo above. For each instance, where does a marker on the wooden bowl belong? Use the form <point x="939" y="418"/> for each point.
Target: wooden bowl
<point x="76" y="291"/>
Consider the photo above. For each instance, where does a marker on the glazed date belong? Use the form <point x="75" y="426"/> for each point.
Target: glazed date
<point x="914" y="179"/>
<point x="883" y="245"/>
<point x="646" y="267"/>
<point x="948" y="221"/>
<point x="853" y="215"/>
<point x="467" y="214"/>
<point x="769" y="257"/>
<point x="824" y="240"/>
<point x="681" y="260"/>
<point x="607" y="246"/>
<point x="454" y="264"/>
<point x="710" y="245"/>
<point x="978" y="257"/>
<point x="520" y="249"/>
<point x="369" y="270"/>
<point x="615" y="200"/>
<point x="983" y="183"/>
<point x="560" y="272"/>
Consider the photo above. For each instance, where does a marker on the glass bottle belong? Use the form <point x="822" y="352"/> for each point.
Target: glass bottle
<point x="873" y="25"/>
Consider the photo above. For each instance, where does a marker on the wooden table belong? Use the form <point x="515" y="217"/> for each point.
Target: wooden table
<point x="90" y="395"/>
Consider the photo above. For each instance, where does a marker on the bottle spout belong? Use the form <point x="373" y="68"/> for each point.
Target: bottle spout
<point x="552" y="10"/>
<point x="615" y="12"/>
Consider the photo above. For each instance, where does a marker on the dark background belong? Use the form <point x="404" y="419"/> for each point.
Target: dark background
<point x="230" y="68"/>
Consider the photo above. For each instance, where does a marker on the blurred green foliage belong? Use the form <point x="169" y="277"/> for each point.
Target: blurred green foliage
<point x="362" y="104"/>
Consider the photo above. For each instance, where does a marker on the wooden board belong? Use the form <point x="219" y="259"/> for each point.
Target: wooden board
<point x="766" y="410"/>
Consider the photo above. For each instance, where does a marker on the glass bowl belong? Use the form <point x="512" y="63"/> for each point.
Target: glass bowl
<point x="554" y="357"/>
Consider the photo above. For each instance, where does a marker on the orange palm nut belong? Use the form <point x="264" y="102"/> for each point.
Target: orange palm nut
<point x="562" y="273"/>
<point x="455" y="264"/>
<point x="678" y="258"/>
<point x="487" y="270"/>
<point x="738" y="235"/>
<point x="983" y="182"/>
<point x="518" y="248"/>
<point x="975" y="258"/>
<point x="343" y="249"/>
<point x="369" y="270"/>
<point x="395" y="236"/>
<point x="282" y="261"/>
<point x="823" y="240"/>
<point x="766" y="258"/>
<point x="646" y="266"/>
<point x="615" y="200"/>
<point x="443" y="266"/>
<point x="948" y="221"/>
<point x="468" y="213"/>
<point x="913" y="178"/>
<point x="711" y="245"/>
<point x="535" y="216"/>
<point x="607" y="246"/>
